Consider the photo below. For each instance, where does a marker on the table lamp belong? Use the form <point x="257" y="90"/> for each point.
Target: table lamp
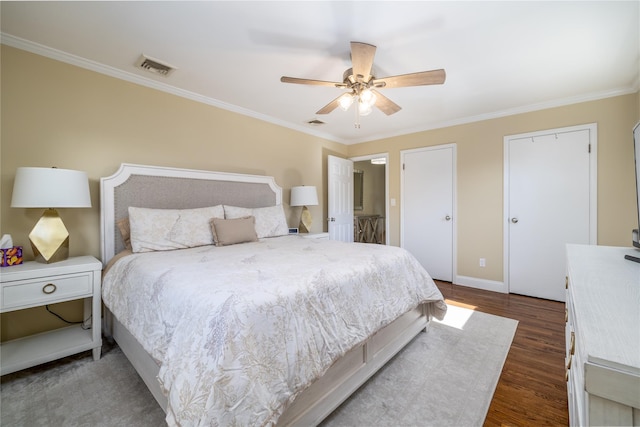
<point x="50" y="188"/>
<point x="304" y="196"/>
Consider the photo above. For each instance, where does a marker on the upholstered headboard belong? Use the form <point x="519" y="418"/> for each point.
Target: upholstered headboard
<point x="172" y="188"/>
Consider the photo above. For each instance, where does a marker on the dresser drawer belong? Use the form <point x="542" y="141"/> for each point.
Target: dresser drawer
<point x="31" y="293"/>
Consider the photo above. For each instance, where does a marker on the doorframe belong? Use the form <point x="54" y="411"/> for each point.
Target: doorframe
<point x="386" y="188"/>
<point x="593" y="187"/>
<point x="454" y="189"/>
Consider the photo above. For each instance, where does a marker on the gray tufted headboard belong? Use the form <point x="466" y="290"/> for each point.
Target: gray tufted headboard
<point x="174" y="188"/>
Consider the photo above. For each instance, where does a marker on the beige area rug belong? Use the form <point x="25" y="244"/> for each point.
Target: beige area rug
<point x="445" y="377"/>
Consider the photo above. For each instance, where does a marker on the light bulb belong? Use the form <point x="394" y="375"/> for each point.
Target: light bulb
<point x="364" y="109"/>
<point x="368" y="97"/>
<point x="345" y="101"/>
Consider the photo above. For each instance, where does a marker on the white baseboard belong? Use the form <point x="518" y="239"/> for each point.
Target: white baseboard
<point x="487" y="285"/>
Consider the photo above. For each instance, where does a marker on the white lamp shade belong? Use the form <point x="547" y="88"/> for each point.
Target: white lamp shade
<point x="345" y="101"/>
<point x="304" y="196"/>
<point x="50" y="188"/>
<point x="364" y="109"/>
<point x="368" y="97"/>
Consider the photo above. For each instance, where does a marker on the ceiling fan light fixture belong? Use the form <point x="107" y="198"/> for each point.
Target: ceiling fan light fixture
<point x="361" y="82"/>
<point x="364" y="109"/>
<point x="367" y="97"/>
<point x="345" y="101"/>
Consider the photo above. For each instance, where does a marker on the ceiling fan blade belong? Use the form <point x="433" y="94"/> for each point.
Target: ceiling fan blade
<point x="433" y="77"/>
<point x="329" y="107"/>
<point x="362" y="59"/>
<point x="285" y="79"/>
<point x="386" y="105"/>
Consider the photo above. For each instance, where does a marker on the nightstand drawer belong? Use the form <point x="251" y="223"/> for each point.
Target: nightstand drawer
<point x="32" y="293"/>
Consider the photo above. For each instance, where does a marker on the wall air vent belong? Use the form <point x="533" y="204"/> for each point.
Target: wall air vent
<point x="154" y="66"/>
<point x="315" y="122"/>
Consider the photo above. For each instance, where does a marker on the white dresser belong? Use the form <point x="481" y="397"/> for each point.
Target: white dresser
<point x="603" y="336"/>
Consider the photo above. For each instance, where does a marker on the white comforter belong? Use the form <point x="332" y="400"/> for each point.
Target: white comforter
<point x="240" y="330"/>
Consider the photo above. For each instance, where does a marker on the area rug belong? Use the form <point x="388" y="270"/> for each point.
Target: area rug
<point x="445" y="377"/>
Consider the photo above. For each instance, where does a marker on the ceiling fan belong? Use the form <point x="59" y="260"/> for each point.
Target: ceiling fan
<point x="362" y="84"/>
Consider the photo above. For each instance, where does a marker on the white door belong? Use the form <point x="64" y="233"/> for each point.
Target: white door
<point x="427" y="208"/>
<point x="340" y="198"/>
<point x="549" y="202"/>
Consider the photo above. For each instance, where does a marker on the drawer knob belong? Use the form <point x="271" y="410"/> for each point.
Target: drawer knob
<point x="49" y="288"/>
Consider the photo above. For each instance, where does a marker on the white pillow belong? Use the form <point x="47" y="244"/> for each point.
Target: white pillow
<point x="168" y="229"/>
<point x="270" y="221"/>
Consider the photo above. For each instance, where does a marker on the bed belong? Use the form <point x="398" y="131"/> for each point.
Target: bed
<point x="261" y="332"/>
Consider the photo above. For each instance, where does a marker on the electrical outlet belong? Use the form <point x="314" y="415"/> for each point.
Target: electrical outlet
<point x="483" y="262"/>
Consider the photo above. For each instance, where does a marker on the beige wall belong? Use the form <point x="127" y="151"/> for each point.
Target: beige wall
<point x="55" y="114"/>
<point x="480" y="175"/>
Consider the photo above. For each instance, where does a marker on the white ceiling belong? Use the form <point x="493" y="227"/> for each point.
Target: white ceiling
<point x="500" y="57"/>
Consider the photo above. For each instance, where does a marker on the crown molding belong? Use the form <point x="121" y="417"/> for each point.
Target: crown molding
<point x="505" y="113"/>
<point x="58" y="55"/>
<point x="68" y="58"/>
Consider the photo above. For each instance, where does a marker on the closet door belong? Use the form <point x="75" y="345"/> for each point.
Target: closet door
<point x="549" y="201"/>
<point x="428" y="208"/>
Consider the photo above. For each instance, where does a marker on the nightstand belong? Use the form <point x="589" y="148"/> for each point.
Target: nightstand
<point x="35" y="284"/>
<point x="321" y="236"/>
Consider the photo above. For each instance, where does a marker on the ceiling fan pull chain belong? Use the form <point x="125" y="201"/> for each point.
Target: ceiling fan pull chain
<point x="357" y="111"/>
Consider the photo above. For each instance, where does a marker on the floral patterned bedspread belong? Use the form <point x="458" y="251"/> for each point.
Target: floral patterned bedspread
<point x="240" y="330"/>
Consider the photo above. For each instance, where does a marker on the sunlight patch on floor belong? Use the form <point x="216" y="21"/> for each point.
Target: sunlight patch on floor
<point x="456" y="317"/>
<point x="459" y="304"/>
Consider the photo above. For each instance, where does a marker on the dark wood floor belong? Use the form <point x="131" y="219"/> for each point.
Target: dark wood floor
<point x="532" y="390"/>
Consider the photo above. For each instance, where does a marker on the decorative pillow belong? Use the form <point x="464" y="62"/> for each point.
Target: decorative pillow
<point x="168" y="229"/>
<point x="270" y="221"/>
<point x="232" y="231"/>
<point x="125" y="232"/>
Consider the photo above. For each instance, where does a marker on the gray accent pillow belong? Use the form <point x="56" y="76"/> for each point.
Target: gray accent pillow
<point x="231" y="231"/>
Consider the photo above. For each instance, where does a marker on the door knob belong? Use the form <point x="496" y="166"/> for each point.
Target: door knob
<point x="332" y="219"/>
<point x="514" y="220"/>
<point x="448" y="218"/>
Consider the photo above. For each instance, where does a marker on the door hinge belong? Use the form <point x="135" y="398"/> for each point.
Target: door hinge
<point x="589" y="148"/>
<point x="403" y="166"/>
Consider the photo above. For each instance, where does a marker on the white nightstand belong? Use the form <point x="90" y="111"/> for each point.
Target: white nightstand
<point x="34" y="284"/>
<point x="321" y="236"/>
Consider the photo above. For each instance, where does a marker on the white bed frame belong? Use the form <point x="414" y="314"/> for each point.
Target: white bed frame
<point x="162" y="187"/>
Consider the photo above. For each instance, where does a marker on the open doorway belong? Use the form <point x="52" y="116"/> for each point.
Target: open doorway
<point x="370" y="199"/>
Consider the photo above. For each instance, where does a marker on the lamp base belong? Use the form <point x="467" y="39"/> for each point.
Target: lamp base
<point x="305" y="221"/>
<point x="50" y="238"/>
